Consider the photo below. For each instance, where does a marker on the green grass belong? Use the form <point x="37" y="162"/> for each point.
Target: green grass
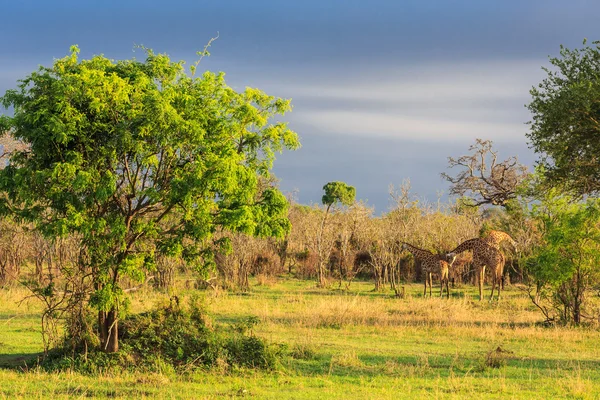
<point x="358" y="344"/>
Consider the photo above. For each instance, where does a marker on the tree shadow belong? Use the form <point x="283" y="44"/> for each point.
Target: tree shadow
<point x="19" y="361"/>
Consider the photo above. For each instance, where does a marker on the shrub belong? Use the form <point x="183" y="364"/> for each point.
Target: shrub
<point x="175" y="337"/>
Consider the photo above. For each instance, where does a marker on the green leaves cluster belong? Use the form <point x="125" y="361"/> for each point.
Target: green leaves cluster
<point x="338" y="192"/>
<point x="564" y="265"/>
<point x="566" y="119"/>
<point x="571" y="238"/>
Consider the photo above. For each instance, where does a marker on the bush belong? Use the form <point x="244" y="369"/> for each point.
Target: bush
<point x="496" y="358"/>
<point x="175" y="337"/>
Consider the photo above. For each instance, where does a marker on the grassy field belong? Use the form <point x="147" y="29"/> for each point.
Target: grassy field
<point x="357" y="344"/>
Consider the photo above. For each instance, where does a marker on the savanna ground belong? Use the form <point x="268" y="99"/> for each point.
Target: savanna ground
<point x="357" y="344"/>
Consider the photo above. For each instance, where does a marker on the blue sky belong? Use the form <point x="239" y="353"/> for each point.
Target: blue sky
<point x="383" y="91"/>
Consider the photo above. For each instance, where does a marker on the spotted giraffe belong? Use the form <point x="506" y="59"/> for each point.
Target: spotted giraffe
<point x="431" y="263"/>
<point x="495" y="238"/>
<point x="483" y="255"/>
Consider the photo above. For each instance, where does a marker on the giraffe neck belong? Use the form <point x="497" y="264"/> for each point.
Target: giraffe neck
<point x="466" y="245"/>
<point x="417" y="252"/>
<point x="498" y="237"/>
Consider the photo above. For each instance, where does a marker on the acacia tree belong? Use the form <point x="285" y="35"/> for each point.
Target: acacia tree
<point x="335" y="193"/>
<point x="139" y="158"/>
<point x="486" y="179"/>
<point x="566" y="120"/>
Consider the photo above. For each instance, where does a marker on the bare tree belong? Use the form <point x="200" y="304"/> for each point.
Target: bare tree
<point x="484" y="178"/>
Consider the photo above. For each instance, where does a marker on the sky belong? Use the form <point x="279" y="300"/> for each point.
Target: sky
<point x="383" y="91"/>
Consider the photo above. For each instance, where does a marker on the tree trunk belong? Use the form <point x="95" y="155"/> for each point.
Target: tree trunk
<point x="321" y="274"/>
<point x="109" y="330"/>
<point x="282" y="250"/>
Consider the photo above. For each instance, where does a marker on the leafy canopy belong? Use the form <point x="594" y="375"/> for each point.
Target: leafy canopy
<point x="565" y="264"/>
<point x="139" y="157"/>
<point x="571" y="239"/>
<point x="338" y="192"/>
<point x="565" y="128"/>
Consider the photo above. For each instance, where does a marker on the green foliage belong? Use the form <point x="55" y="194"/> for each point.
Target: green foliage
<point x="338" y="192"/>
<point x="564" y="266"/>
<point x="572" y="239"/>
<point x="566" y="115"/>
<point x="175" y="337"/>
<point x="303" y="351"/>
<point x="137" y="158"/>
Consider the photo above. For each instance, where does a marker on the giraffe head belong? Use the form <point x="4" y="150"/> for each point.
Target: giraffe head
<point x="450" y="257"/>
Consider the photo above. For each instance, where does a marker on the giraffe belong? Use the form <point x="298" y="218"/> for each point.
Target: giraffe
<point x="483" y="255"/>
<point x="495" y="238"/>
<point x="431" y="263"/>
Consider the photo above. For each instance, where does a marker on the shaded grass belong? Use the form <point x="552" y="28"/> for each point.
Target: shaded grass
<point x="361" y="344"/>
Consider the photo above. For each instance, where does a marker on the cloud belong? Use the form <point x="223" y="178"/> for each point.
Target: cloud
<point x="432" y="102"/>
<point x="424" y="83"/>
<point x="405" y="127"/>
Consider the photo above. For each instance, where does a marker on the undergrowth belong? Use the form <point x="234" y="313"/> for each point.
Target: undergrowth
<point x="173" y="338"/>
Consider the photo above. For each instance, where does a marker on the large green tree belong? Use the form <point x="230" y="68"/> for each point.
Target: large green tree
<point x="565" y="129"/>
<point x="140" y="158"/>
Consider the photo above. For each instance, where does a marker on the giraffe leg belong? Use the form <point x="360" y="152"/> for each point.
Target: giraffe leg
<point x="481" y="278"/>
<point x="499" y="286"/>
<point x="425" y="286"/>
<point x="479" y="282"/>
<point x="430" y="284"/>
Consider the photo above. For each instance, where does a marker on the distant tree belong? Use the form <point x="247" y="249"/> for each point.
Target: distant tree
<point x="485" y="179"/>
<point x="335" y="193"/>
<point x="565" y="129"/>
<point x="140" y="158"/>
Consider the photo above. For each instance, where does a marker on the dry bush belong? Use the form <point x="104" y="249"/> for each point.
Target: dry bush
<point x="266" y="263"/>
<point x="234" y="268"/>
<point x="306" y="264"/>
<point x="166" y="269"/>
<point x="248" y="256"/>
<point x="337" y="246"/>
<point x="497" y="357"/>
<point x="13" y="246"/>
<point x="266" y="280"/>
